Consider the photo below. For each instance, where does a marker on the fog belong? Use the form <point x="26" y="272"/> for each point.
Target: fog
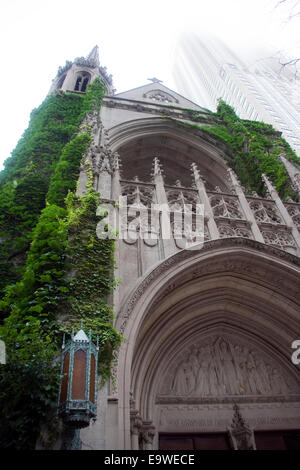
<point x="137" y="40"/>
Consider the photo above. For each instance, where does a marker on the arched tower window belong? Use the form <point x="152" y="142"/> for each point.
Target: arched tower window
<point x="82" y="81"/>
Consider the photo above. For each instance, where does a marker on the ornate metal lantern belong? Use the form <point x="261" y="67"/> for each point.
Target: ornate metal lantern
<point x="78" y="386"/>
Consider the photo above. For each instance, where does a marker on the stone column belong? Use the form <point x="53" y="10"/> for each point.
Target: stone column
<point x="148" y="433"/>
<point x="208" y="213"/>
<point x="282" y="210"/>
<point x="169" y="246"/>
<point x="245" y="207"/>
<point x="135" y="428"/>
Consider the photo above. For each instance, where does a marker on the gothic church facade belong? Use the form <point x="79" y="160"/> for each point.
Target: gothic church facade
<point x="205" y="329"/>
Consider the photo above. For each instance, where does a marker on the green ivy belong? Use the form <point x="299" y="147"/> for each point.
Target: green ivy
<point x="24" y="183"/>
<point x="66" y="276"/>
<point x="254" y="148"/>
<point x="28" y="385"/>
<point x="90" y="278"/>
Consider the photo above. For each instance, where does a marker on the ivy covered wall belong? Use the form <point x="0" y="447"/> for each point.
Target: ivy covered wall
<point x="63" y="269"/>
<point x="251" y="148"/>
<point x="54" y="271"/>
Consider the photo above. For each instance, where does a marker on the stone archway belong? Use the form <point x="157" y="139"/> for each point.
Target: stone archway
<point x="139" y="141"/>
<point x="236" y="292"/>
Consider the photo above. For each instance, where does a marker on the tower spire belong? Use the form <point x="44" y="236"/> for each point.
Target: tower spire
<point x="93" y="56"/>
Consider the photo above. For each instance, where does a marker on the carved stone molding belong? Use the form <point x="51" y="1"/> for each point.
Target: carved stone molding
<point x="235" y="265"/>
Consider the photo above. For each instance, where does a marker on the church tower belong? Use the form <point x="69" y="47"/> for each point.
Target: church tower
<point x="198" y="212"/>
<point x="76" y="75"/>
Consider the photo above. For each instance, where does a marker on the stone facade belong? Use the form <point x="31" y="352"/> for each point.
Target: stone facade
<point x="205" y="328"/>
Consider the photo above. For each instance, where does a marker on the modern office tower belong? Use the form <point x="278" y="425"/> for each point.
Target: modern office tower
<point x="255" y="84"/>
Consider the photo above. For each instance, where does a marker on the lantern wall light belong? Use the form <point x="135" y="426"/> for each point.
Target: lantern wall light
<point x="77" y="403"/>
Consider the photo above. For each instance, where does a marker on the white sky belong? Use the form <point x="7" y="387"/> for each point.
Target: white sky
<point x="136" y="40"/>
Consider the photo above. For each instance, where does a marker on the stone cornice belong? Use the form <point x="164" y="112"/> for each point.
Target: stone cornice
<point x="152" y="108"/>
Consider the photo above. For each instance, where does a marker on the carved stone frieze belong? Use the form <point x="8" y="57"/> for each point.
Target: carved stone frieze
<point x="281" y="238"/>
<point x="219" y="367"/>
<point x="236" y="229"/>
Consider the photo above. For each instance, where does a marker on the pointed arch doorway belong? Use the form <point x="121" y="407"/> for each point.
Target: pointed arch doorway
<point x="205" y="331"/>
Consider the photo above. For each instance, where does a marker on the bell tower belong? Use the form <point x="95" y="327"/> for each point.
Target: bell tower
<point x="76" y="75"/>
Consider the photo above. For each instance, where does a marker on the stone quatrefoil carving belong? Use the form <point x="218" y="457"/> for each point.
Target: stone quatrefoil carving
<point x="160" y="97"/>
<point x="220" y="367"/>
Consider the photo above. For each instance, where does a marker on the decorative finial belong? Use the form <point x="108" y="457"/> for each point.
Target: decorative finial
<point x="196" y="173"/>
<point x="157" y="167"/>
<point x="238" y="421"/>
<point x="240" y="432"/>
<point x="233" y="176"/>
<point x="116" y="161"/>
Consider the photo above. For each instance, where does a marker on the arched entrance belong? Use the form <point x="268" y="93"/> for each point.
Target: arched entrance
<point x="206" y="330"/>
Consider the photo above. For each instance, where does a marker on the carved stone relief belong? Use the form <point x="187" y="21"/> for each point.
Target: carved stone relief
<point x="220" y="367"/>
<point x="226" y="206"/>
<point x="160" y="96"/>
<point x="265" y="212"/>
<point x="137" y="217"/>
<point x="294" y="211"/>
<point x="234" y="230"/>
<point x="280" y="238"/>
